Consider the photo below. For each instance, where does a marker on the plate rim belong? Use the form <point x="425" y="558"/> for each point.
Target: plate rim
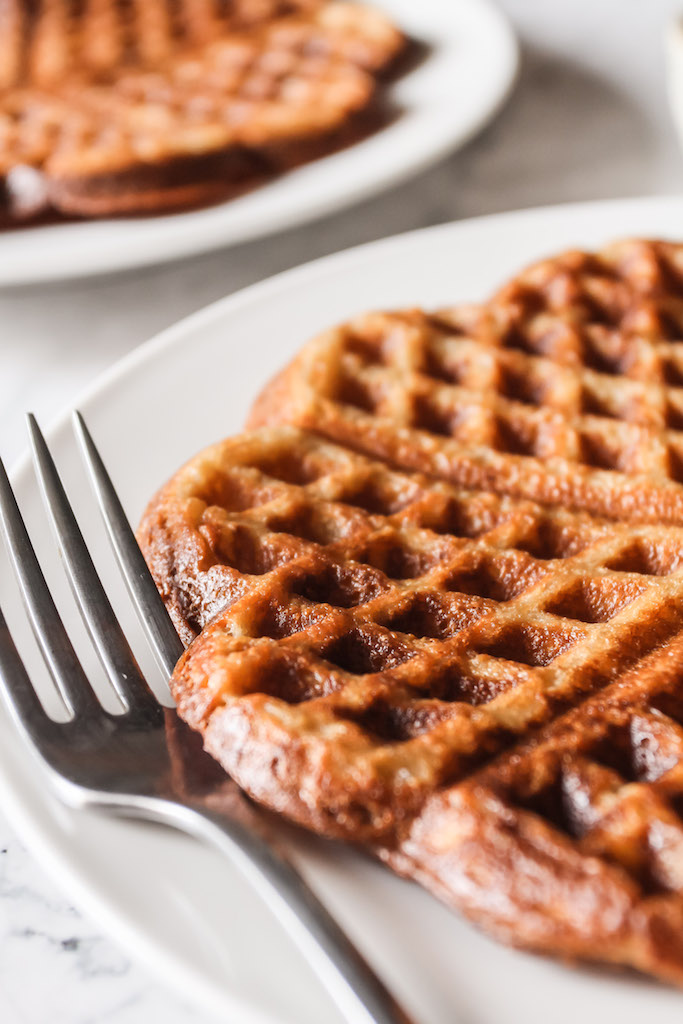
<point x="96" y="904"/>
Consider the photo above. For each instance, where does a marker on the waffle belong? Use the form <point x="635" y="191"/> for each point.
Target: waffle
<point x="439" y="613"/>
<point x="482" y="690"/>
<point x="565" y="388"/>
<point x="112" y="107"/>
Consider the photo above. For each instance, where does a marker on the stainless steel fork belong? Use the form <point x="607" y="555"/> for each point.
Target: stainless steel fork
<point x="143" y="762"/>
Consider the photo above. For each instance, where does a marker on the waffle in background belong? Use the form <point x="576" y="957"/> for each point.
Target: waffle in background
<point x="110" y="106"/>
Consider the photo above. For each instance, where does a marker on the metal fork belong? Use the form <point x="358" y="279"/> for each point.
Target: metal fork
<point x="143" y="762"/>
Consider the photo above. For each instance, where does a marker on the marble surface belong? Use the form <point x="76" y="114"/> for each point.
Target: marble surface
<point x="588" y="120"/>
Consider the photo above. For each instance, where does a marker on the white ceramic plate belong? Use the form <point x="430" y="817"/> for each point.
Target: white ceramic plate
<point x="169" y="901"/>
<point x="469" y="70"/>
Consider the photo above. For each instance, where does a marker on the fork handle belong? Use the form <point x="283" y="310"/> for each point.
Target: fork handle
<point x="358" y="991"/>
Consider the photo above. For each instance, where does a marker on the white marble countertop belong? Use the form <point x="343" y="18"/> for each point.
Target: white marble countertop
<point x="588" y="120"/>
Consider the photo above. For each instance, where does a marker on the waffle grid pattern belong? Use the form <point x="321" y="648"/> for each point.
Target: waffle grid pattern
<point x="412" y="612"/>
<point x="515" y="403"/>
<point x="613" y="784"/>
<point x="570" y="373"/>
<point x="42" y="43"/>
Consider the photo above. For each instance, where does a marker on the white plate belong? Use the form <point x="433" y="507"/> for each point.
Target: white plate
<point x="469" y="70"/>
<point x="169" y="901"/>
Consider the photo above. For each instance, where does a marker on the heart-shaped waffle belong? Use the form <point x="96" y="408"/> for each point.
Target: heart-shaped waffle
<point x="483" y="688"/>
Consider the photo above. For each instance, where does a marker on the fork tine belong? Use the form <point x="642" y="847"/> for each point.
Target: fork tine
<point x="18" y="691"/>
<point x="55" y="646"/>
<point x="159" y="629"/>
<point x="98" y="615"/>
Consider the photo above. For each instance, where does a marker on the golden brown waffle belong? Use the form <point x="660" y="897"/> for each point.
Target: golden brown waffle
<point x="111" y="106"/>
<point x="566" y="388"/>
<point x="456" y="636"/>
<point x="483" y="690"/>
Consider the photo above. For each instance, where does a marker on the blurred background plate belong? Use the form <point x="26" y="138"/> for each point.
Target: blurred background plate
<point x="169" y="901"/>
<point x="468" y="71"/>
